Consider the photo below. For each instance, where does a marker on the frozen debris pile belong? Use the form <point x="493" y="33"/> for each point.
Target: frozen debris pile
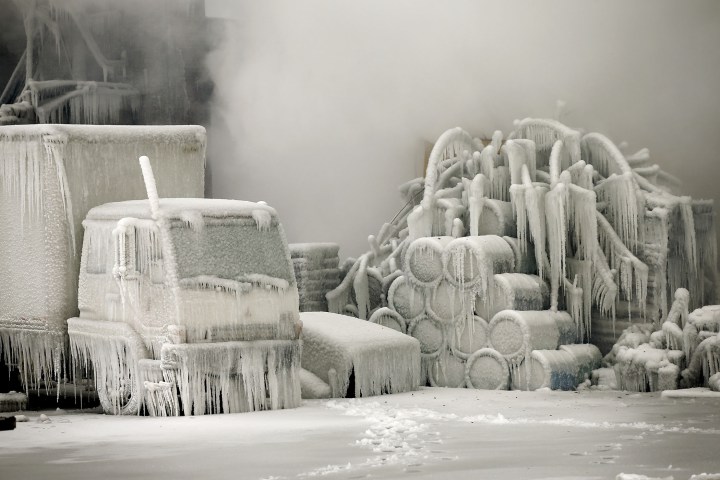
<point x="545" y="219"/>
<point x="356" y="358"/>
<point x="50" y="177"/>
<point x="684" y="352"/>
<point x="317" y="272"/>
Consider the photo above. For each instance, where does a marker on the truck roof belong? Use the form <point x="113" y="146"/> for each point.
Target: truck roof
<point x="180" y="208"/>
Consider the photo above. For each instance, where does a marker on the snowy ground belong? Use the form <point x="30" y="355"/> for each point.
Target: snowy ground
<point x="432" y="433"/>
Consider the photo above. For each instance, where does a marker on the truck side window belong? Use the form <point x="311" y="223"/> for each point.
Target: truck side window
<point x="148" y="255"/>
<point x="99" y="247"/>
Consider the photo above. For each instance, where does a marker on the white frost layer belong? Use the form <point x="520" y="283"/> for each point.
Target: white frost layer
<point x="381" y="359"/>
<point x="313" y="386"/>
<point x="178" y="208"/>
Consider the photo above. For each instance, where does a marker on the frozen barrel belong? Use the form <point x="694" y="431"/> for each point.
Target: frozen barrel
<point x="515" y="333"/>
<point x="554" y="369"/>
<point x="497" y="218"/>
<point x="471" y="261"/>
<point x="431" y="335"/>
<point x="406" y="299"/>
<point x="446" y="303"/>
<point x="424" y="260"/>
<point x="469" y="337"/>
<point x="487" y="369"/>
<point x="448" y="371"/>
<point x="389" y="318"/>
<point x="588" y="358"/>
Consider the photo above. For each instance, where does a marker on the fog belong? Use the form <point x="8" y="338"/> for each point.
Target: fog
<point x="323" y="107"/>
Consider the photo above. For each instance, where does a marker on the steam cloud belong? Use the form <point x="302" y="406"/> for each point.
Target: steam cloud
<point x="324" y="107"/>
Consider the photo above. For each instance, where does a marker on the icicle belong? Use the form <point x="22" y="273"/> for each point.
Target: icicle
<point x="556" y="214"/>
<point x="581" y="270"/>
<point x="497" y="138"/>
<point x="628" y="266"/>
<point x="476" y="201"/>
<point x="233" y="377"/>
<point x="516" y="159"/>
<point x="624" y="204"/>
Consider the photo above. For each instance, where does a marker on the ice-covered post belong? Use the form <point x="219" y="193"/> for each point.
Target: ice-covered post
<point x="150" y="186"/>
<point x="167" y="246"/>
<point x="30" y="37"/>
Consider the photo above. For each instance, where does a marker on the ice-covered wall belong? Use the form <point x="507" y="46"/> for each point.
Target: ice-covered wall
<point x="324" y="107"/>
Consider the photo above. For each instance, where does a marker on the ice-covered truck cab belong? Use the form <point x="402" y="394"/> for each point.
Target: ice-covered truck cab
<point x="189" y="306"/>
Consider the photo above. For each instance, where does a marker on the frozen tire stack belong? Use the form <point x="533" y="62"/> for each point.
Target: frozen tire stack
<point x="317" y="272"/>
<point x="434" y="300"/>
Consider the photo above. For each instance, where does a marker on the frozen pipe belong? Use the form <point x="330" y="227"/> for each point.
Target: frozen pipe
<point x="516" y="333"/>
<point x="405" y="299"/>
<point x="486" y="369"/>
<point x="150" y="186"/>
<point x="476" y="200"/>
<point x="517" y="157"/>
<point x="449" y="139"/>
<point x="389" y="318"/>
<point x="458" y="228"/>
<point x="555" y="163"/>
<point x="603" y="154"/>
<point x="487" y="162"/>
<point x="424" y="260"/>
<point x="553" y="369"/>
<point x="497" y="139"/>
<point x="469" y="337"/>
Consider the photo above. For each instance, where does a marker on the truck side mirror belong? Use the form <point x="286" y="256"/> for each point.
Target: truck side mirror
<point x="124" y="267"/>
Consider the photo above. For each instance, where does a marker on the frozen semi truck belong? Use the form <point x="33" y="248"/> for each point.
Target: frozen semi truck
<point x="187" y="306"/>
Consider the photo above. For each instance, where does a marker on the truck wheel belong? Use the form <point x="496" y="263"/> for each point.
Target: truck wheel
<point x="122" y="401"/>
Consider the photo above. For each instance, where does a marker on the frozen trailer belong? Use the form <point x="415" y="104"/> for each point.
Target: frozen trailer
<point x="50" y="177"/>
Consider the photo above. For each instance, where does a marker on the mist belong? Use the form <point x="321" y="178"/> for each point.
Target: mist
<point x="322" y="108"/>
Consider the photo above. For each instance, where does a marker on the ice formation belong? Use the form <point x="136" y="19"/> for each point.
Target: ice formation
<point x="358" y="358"/>
<point x="187" y="306"/>
<point x="683" y="352"/>
<point x="50" y="177"/>
<point x="524" y="247"/>
<point x="317" y="272"/>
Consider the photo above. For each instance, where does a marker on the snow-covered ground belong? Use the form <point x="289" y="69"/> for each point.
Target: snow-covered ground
<point x="431" y="433"/>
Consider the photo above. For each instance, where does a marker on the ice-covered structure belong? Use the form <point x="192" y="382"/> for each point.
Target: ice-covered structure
<point x="317" y="272"/>
<point x="356" y="358"/>
<point x="683" y="352"/>
<point x="187" y="306"/>
<point x="511" y="253"/>
<point x="50" y="177"/>
<point x="106" y="62"/>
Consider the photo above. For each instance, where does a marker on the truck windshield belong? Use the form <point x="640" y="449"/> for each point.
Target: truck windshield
<point x="230" y="248"/>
